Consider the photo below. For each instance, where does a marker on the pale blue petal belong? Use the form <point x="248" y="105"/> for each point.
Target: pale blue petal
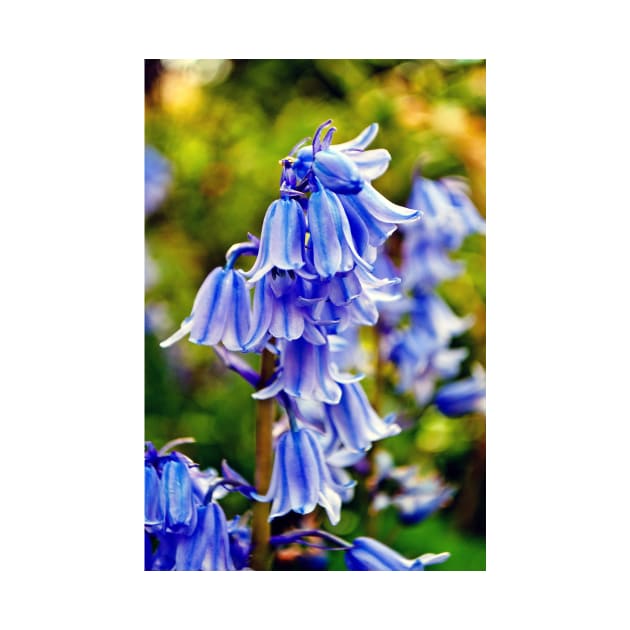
<point x="325" y="243"/>
<point x="363" y="140"/>
<point x="371" y="164"/>
<point x="239" y="318"/>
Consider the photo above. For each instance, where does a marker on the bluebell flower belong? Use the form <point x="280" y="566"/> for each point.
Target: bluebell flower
<point x="305" y="371"/>
<point x="462" y="397"/>
<point x="282" y="239"/>
<point x="157" y="179"/>
<point x="427" y="264"/>
<point x="280" y="311"/>
<point x="421" y="499"/>
<point x="429" y="312"/>
<point x="354" y="420"/>
<point x="422" y="360"/>
<point x="208" y="548"/>
<point x="414" y="497"/>
<point x="368" y="554"/>
<point x="220" y="313"/>
<point x="301" y="479"/>
<point x="449" y="214"/>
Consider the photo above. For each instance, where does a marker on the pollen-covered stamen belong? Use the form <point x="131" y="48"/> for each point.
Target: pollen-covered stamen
<point x="317" y="145"/>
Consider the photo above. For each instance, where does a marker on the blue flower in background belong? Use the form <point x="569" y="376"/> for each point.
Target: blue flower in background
<point x="301" y="478"/>
<point x="220" y="313"/>
<point x="208" y="548"/>
<point x="368" y="554"/>
<point x="157" y="179"/>
<point x="450" y="215"/>
<point x="462" y="397"/>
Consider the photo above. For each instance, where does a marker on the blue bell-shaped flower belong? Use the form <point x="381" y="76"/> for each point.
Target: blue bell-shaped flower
<point x="367" y="554"/>
<point x="301" y="478"/>
<point x="281" y="240"/>
<point x="208" y="548"/>
<point x="220" y="312"/>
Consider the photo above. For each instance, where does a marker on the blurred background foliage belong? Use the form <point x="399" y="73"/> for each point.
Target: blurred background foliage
<point x="223" y="125"/>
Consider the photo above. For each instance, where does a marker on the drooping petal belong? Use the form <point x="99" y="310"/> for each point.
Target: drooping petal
<point x="262" y="314"/>
<point x="154" y="506"/>
<point x="302" y="473"/>
<point x="370" y="202"/>
<point x="327" y="253"/>
<point x="377" y="231"/>
<point x="239" y="317"/>
<point x="363" y="140"/>
<point x="180" y="511"/>
<point x="371" y="164"/>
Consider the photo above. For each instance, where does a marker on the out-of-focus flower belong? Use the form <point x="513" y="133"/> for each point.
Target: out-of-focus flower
<point x="450" y="215"/>
<point x="208" y="548"/>
<point x="157" y="179"/>
<point x="462" y="397"/>
<point x="240" y="536"/>
<point x="368" y="554"/>
<point x="220" y="312"/>
<point x="301" y="478"/>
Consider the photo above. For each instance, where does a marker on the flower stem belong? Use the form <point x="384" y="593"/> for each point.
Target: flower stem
<point x="261" y="528"/>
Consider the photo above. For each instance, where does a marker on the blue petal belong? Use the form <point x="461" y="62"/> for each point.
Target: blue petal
<point x="368" y="554"/>
<point x="363" y="140"/>
<point x="382" y="209"/>
<point x="210" y="312"/>
<point x="261" y="316"/>
<point x="371" y="164"/>
<point x="287" y="321"/>
<point x="325" y="242"/>
<point x="337" y="172"/>
<point x="358" y="215"/>
<point x="181" y="515"/>
<point x="282" y="238"/>
<point x="239" y="318"/>
<point x="154" y="505"/>
<point x="302" y="473"/>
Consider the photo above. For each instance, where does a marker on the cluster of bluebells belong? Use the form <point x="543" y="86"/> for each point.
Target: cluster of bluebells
<point x="417" y="330"/>
<point x="315" y="278"/>
<point x="185" y="527"/>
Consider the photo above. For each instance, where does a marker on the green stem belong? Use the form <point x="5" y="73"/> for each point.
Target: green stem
<point x="261" y="528"/>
